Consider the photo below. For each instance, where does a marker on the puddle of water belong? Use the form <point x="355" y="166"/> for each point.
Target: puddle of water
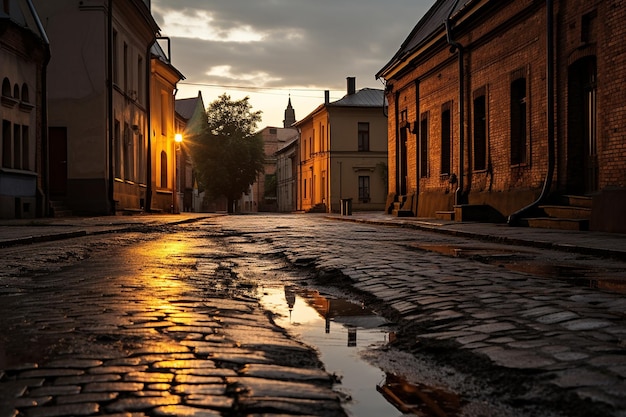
<point x="510" y="259"/>
<point x="340" y="330"/>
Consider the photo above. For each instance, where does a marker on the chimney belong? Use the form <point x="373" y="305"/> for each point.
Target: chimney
<point x="351" y="85"/>
<point x="326" y="96"/>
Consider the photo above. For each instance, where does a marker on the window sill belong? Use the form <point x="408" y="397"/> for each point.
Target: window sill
<point x="18" y="172"/>
<point x="8" y="102"/>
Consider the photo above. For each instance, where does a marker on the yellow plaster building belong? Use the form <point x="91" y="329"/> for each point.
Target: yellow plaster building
<point x="343" y="153"/>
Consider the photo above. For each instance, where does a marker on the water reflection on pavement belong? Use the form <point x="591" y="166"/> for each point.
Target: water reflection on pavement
<point x="340" y="330"/>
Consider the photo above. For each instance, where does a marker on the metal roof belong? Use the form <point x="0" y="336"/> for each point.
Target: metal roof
<point x="187" y="106"/>
<point x="432" y="23"/>
<point x="366" y="97"/>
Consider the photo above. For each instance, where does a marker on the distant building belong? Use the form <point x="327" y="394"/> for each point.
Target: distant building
<point x="190" y="116"/>
<point x="511" y="110"/>
<point x="263" y="192"/>
<point x="343" y="152"/>
<point x="24" y="54"/>
<point x="287" y="163"/>
<point x="290" y="115"/>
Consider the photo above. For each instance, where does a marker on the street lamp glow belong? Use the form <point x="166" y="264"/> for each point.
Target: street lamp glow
<point x="178" y="138"/>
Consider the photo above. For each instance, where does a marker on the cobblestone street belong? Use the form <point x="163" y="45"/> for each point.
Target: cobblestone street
<point x="155" y="326"/>
<point x="165" y="321"/>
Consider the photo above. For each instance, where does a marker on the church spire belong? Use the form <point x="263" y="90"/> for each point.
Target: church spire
<point x="290" y="114"/>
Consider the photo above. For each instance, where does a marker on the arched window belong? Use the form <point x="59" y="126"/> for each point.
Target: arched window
<point x="25" y="97"/>
<point x="6" y="87"/>
<point x="16" y="92"/>
<point x="163" y="169"/>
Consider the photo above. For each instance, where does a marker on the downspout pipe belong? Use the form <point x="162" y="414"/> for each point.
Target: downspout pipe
<point x="514" y="219"/>
<point x="45" y="170"/>
<point x="111" y="181"/>
<point x="459" y="198"/>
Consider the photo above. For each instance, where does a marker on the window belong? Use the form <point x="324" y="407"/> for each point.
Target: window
<point x="518" y="122"/>
<point x="117" y="150"/>
<point x="25" y="149"/>
<point x="163" y="169"/>
<point x="304" y="189"/>
<point x="115" y="59"/>
<point x="7" y="154"/>
<point x="140" y="79"/>
<point x="16" y="92"/>
<point x="364" y="189"/>
<point x="588" y="27"/>
<point x="129" y="153"/>
<point x="125" y="67"/>
<point x="446" y="139"/>
<point x="5" y="6"/>
<point x="17" y="147"/>
<point x="164" y="102"/>
<point x="6" y="88"/>
<point x="273" y="131"/>
<point x="141" y="159"/>
<point x="480" y="131"/>
<point x="424" y="145"/>
<point x="25" y="97"/>
<point x="364" y="137"/>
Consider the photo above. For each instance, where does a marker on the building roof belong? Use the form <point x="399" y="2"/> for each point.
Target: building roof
<point x="366" y="97"/>
<point x="186" y="107"/>
<point x="431" y="24"/>
<point x="25" y="16"/>
<point x="158" y="53"/>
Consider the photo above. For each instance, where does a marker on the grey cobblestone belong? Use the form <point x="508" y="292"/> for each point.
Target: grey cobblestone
<point x="571" y="336"/>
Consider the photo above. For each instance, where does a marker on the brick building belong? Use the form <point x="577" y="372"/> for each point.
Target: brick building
<point x="498" y="109"/>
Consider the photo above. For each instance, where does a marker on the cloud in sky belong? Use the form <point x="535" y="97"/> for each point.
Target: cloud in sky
<point x="273" y="48"/>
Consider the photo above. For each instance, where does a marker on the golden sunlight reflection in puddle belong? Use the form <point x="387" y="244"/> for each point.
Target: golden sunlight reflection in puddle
<point x="340" y="330"/>
<point x="161" y="286"/>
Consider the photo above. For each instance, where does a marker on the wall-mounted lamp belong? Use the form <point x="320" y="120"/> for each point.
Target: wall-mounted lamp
<point x="411" y="127"/>
<point x="178" y="139"/>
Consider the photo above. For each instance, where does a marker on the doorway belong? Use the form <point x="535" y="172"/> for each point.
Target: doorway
<point x="58" y="162"/>
<point x="582" y="145"/>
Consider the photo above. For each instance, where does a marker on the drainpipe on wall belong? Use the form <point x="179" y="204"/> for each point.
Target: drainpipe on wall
<point x="111" y="194"/>
<point x="398" y="186"/>
<point x="514" y="219"/>
<point x="459" y="198"/>
<point x="416" y="131"/>
<point x="45" y="174"/>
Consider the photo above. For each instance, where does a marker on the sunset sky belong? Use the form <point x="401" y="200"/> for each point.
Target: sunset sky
<point x="271" y="49"/>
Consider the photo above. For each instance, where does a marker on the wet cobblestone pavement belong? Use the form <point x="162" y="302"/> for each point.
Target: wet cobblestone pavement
<point x="156" y="327"/>
<point x="544" y="342"/>
<point x="167" y="323"/>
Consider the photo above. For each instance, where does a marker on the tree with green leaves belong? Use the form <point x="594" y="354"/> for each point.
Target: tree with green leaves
<point x="229" y="155"/>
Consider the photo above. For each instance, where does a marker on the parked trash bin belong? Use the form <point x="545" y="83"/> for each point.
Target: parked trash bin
<point x="346" y="207"/>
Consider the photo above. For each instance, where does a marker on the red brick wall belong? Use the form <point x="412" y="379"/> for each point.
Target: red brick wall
<point x="502" y="38"/>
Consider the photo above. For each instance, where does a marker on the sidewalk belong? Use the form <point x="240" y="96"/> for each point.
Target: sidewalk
<point x="613" y="245"/>
<point x="22" y="232"/>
